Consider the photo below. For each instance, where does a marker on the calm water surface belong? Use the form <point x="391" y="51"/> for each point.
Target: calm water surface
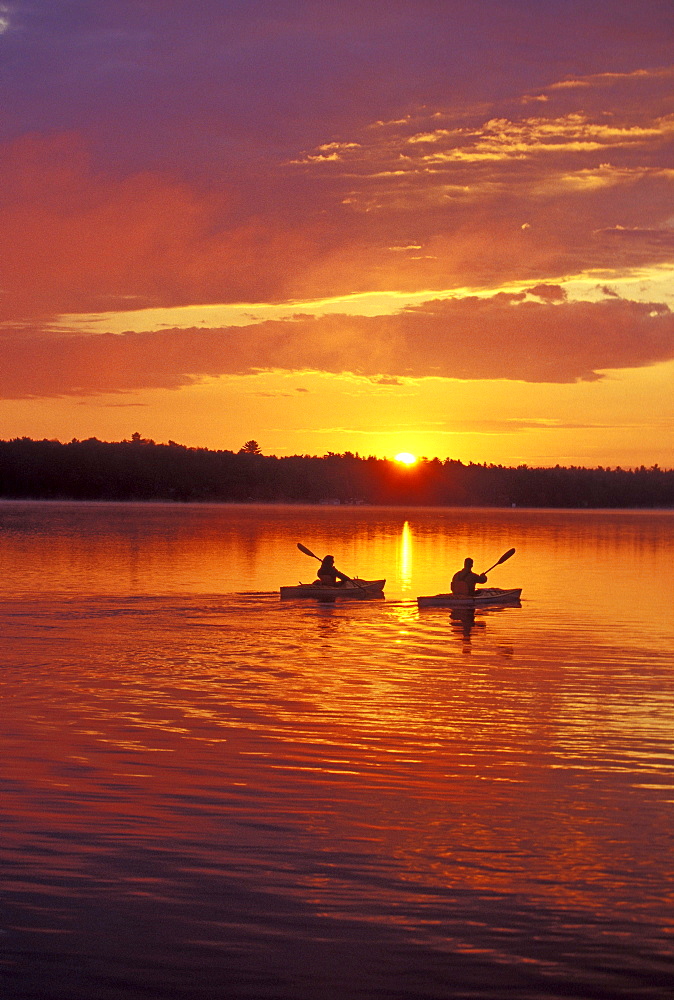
<point x="207" y="793"/>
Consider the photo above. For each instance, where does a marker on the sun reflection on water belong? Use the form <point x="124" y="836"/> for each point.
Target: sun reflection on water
<point x="405" y="561"/>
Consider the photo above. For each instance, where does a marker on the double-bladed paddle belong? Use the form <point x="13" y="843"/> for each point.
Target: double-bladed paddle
<point x="504" y="557"/>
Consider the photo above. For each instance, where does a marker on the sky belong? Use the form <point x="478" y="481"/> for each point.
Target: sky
<point x="429" y="226"/>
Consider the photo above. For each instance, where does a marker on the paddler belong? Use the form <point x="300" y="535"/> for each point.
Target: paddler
<point x="463" y="582"/>
<point x="328" y="574"/>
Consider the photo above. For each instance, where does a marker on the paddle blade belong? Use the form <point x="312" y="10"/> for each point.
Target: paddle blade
<point x="308" y="552"/>
<point x="506" y="555"/>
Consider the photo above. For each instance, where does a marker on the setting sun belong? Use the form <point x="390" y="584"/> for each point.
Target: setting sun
<point x="405" y="458"/>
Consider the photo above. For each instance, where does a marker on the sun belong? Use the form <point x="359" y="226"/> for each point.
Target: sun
<point x="405" y="458"/>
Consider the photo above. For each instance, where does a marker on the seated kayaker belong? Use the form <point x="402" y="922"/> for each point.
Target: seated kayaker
<point x="463" y="582"/>
<point x="329" y="575"/>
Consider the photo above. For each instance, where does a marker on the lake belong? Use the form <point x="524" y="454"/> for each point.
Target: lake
<point x="210" y="794"/>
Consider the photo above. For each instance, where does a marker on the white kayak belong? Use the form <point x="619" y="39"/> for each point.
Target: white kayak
<point x="349" y="588"/>
<point x="488" y="596"/>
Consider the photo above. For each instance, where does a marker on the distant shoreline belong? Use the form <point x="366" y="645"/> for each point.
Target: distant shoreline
<point x="143" y="471"/>
<point x="345" y="506"/>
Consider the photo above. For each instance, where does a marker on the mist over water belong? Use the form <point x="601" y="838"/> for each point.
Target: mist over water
<point x="209" y="793"/>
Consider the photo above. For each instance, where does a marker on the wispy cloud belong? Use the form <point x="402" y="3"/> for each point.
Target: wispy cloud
<point x="609" y="79"/>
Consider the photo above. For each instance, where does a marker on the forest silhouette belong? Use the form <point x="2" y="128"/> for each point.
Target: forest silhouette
<point x="140" y="469"/>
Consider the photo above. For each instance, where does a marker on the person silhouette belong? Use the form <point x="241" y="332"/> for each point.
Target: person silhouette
<point x="328" y="573"/>
<point x="463" y="582"/>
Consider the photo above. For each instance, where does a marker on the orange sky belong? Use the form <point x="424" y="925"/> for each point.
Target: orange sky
<point x="405" y="227"/>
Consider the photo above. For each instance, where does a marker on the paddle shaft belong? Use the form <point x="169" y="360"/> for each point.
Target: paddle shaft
<point x="308" y="552"/>
<point x="504" y="557"/>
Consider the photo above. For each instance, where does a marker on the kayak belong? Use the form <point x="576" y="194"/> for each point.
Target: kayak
<point x="487" y="597"/>
<point x="350" y="588"/>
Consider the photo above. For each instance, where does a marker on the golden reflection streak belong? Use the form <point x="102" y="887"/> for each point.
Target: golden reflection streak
<point x="405" y="557"/>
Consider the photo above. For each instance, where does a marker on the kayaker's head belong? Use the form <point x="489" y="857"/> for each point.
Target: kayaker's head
<point x="468" y="563"/>
<point x="329" y="559"/>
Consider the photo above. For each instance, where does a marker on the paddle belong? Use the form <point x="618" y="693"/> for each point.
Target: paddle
<point x="308" y="552"/>
<point x="504" y="557"/>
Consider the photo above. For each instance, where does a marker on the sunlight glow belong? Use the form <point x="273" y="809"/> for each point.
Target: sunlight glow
<point x="405" y="458"/>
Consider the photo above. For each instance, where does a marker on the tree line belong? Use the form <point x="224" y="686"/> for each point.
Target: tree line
<point x="140" y="469"/>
